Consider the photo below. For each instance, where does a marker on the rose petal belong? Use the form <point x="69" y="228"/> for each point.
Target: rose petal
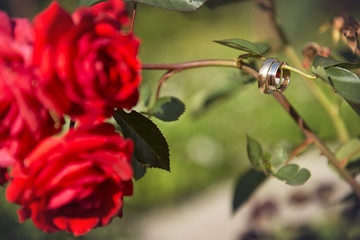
<point x="63" y="197"/>
<point x="7" y="158"/>
<point x="24" y="213"/>
<point x="114" y="9"/>
<point x="5" y="26"/>
<point x="49" y="25"/>
<point x="68" y="170"/>
<point x="128" y="188"/>
<point x="77" y="226"/>
<point x="42" y="219"/>
<point x="112" y="202"/>
<point x="23" y="32"/>
<point x="74" y="190"/>
<point x="16" y="190"/>
<point x="41" y="150"/>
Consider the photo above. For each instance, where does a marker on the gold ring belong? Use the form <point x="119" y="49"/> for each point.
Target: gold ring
<point x="272" y="78"/>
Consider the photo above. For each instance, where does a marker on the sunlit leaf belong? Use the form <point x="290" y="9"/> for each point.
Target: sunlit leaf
<point x="175" y="5"/>
<point x="293" y="175"/>
<point x="246" y="186"/>
<point x="151" y="148"/>
<point x="168" y="109"/>
<point x="244" y="45"/>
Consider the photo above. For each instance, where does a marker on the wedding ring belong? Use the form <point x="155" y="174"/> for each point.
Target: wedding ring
<point x="272" y="78"/>
<point x="263" y="73"/>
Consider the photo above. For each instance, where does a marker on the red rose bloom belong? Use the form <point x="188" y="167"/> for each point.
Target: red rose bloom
<point x="86" y="58"/>
<point x="114" y="9"/>
<point x="74" y="182"/>
<point x="24" y="121"/>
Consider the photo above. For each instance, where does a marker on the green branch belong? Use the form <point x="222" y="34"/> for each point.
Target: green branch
<point x="299" y="72"/>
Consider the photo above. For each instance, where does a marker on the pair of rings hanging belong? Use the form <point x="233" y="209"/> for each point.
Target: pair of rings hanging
<point x="272" y="77"/>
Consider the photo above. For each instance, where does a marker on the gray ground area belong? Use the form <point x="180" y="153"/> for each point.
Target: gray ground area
<point x="274" y="205"/>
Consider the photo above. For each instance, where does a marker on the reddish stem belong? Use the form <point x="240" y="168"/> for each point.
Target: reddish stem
<point x="192" y="64"/>
<point x="300" y="148"/>
<point x="133" y="16"/>
<point x="162" y="80"/>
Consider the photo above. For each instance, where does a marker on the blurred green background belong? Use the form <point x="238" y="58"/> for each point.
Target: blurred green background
<point x="208" y="146"/>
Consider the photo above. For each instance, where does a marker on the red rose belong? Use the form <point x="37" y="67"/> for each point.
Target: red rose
<point x="24" y="121"/>
<point x="111" y="9"/>
<point x="86" y="58"/>
<point x="74" y="182"/>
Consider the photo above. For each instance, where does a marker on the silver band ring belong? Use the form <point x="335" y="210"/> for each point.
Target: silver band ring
<point x="272" y="78"/>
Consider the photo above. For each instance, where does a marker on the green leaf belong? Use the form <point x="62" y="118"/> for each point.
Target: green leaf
<point x="151" y="148"/>
<point x="245" y="186"/>
<point x="347" y="84"/>
<point x="168" y="109"/>
<point x="343" y="81"/>
<point x="88" y="3"/>
<point x="287" y="171"/>
<point x="145" y="92"/>
<point x="139" y="170"/>
<point x="292" y="175"/>
<point x="174" y="5"/>
<point x="253" y="48"/>
<point x="355" y="106"/>
<point x="320" y="72"/>
<point x="280" y="158"/>
<point x="330" y="62"/>
<point x="348" y="149"/>
<point x="255" y="153"/>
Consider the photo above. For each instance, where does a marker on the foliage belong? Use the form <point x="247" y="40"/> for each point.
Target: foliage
<point x="245" y="186"/>
<point x="340" y="78"/>
<point x="292" y="175"/>
<point x="151" y="148"/>
<point x="175" y="5"/>
<point x="167" y="109"/>
<point x="263" y="165"/>
<point x="256" y="49"/>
